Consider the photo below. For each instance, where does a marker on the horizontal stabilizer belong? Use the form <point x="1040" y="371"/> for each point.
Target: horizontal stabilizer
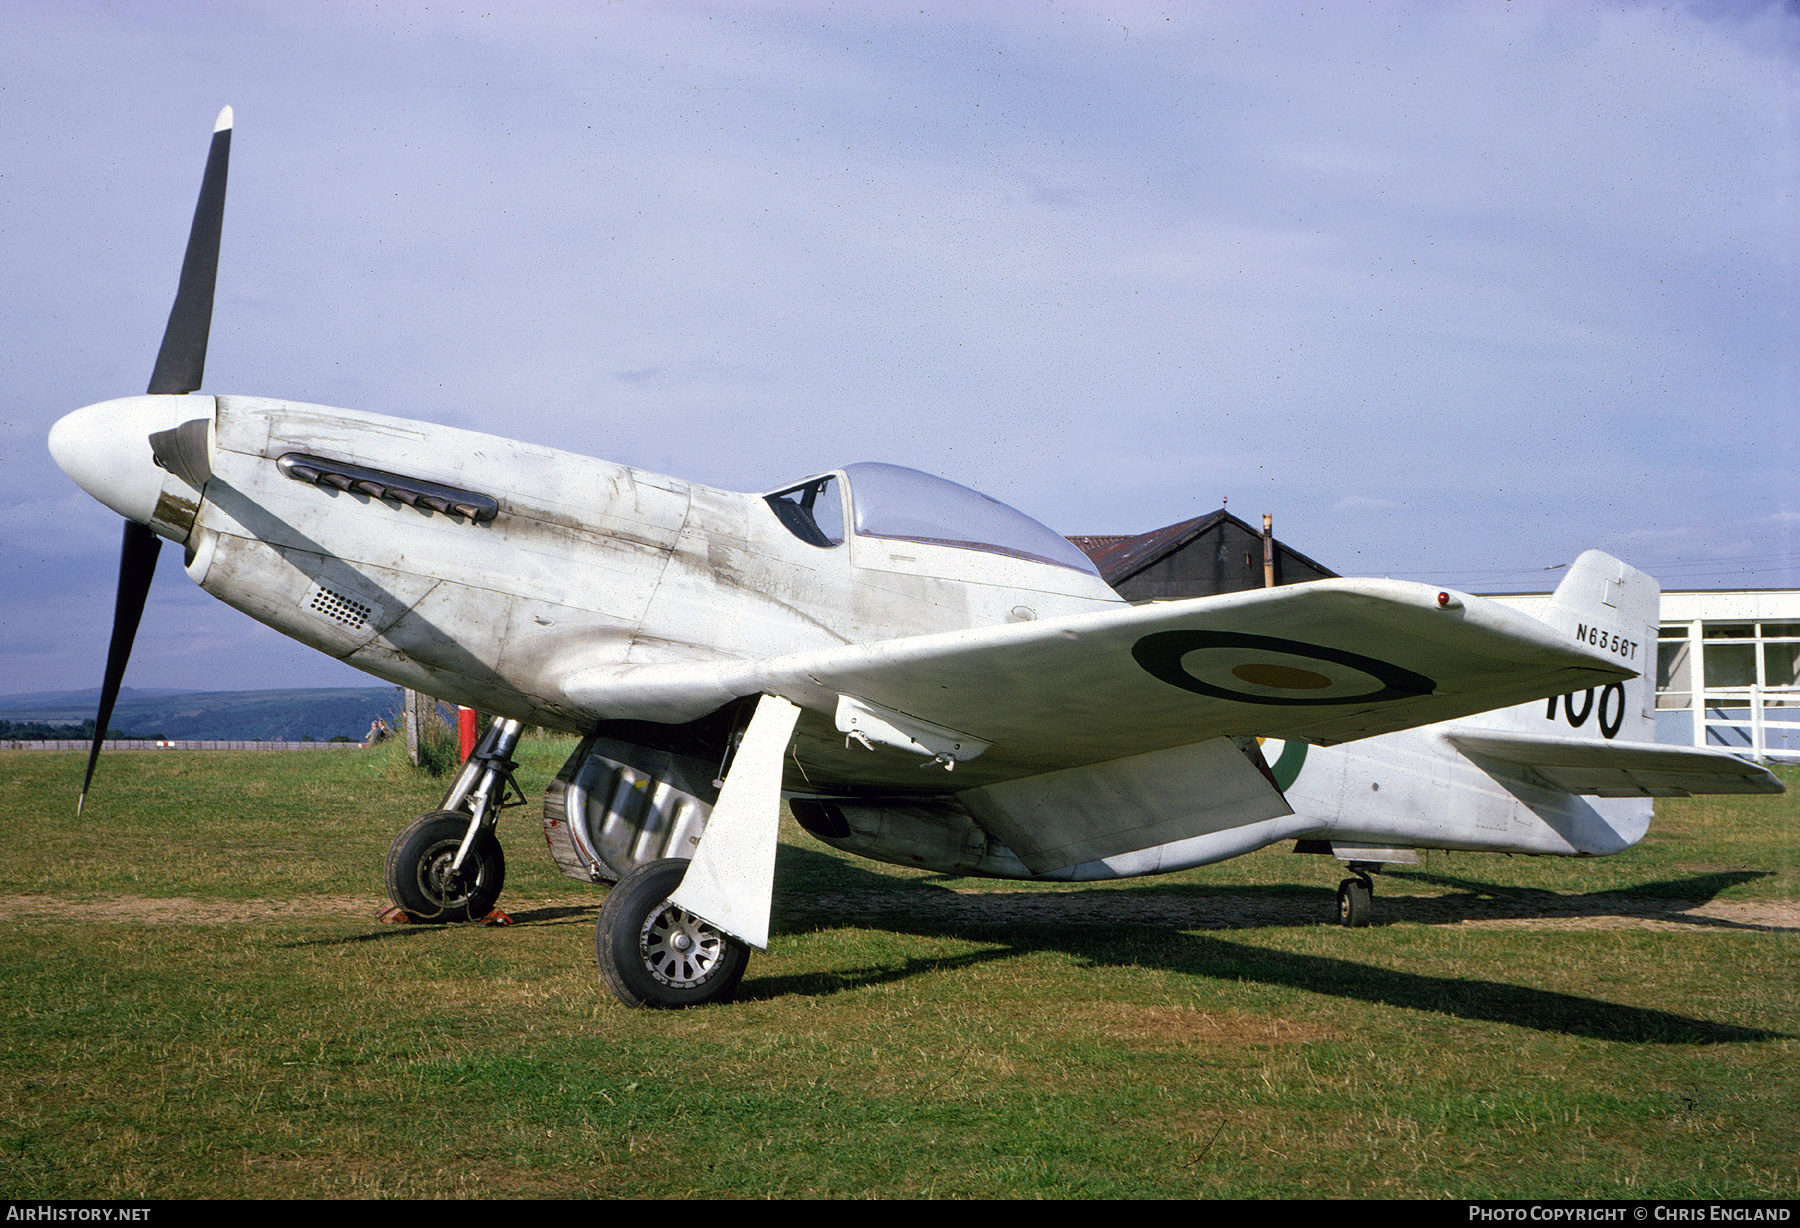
<point x="1615" y="769"/>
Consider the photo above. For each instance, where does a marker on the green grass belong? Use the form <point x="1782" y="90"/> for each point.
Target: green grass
<point x="277" y="1042"/>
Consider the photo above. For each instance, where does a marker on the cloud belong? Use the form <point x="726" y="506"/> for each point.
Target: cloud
<point x="1523" y="271"/>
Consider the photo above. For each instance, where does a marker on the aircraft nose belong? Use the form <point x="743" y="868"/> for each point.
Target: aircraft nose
<point x="106" y="448"/>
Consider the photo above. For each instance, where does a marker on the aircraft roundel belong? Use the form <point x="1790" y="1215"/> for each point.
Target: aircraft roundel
<point x="1261" y="669"/>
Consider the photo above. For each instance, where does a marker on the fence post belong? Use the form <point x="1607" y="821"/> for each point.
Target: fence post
<point x="410" y="715"/>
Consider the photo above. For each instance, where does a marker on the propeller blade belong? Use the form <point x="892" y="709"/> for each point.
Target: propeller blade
<point x="182" y="359"/>
<point x="180" y="363"/>
<point x="137" y="564"/>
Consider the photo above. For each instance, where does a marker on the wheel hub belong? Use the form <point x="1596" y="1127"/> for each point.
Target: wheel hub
<point x="678" y="948"/>
<point x="443" y="883"/>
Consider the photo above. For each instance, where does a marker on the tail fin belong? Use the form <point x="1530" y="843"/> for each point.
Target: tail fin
<point x="1614" y="608"/>
<point x="1601" y="598"/>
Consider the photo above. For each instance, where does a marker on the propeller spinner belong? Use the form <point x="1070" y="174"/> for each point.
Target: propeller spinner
<point x="112" y="449"/>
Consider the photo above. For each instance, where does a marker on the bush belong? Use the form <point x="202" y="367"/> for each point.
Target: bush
<point x="439" y="749"/>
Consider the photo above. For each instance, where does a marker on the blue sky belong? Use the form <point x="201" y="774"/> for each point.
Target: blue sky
<point x="1455" y="291"/>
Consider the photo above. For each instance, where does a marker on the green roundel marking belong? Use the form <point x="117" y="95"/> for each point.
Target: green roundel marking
<point x="1281" y="677"/>
<point x="1287" y="768"/>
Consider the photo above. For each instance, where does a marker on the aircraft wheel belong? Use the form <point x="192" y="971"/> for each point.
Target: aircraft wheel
<point x="1356" y="902"/>
<point x="418" y="870"/>
<point x="656" y="955"/>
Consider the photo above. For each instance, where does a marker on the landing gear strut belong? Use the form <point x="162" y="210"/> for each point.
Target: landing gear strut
<point x="1356" y="898"/>
<point x="448" y="865"/>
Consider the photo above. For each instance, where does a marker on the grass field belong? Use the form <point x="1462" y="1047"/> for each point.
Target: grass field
<point x="199" y="1003"/>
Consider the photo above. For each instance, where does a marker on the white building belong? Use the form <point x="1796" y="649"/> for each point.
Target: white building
<point x="1728" y="671"/>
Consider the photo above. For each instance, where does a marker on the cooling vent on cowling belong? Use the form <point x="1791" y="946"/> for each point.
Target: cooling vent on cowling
<point x="347" y="611"/>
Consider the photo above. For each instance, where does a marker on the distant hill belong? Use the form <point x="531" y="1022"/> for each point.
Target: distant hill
<point x="284" y="715"/>
<point x="87" y="700"/>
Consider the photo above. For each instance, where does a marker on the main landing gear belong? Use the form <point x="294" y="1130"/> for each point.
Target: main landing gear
<point x="1356" y="897"/>
<point x="448" y="866"/>
<point x="653" y="954"/>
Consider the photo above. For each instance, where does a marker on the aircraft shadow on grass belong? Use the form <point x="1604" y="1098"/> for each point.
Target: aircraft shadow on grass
<point x="1153" y="945"/>
<point x="1214" y="958"/>
<point x="1481" y="899"/>
<point x="820" y="891"/>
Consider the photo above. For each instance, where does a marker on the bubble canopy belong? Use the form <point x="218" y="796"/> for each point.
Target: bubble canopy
<point x="901" y="504"/>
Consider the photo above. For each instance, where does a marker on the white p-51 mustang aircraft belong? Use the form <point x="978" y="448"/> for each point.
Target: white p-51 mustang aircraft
<point x="929" y="676"/>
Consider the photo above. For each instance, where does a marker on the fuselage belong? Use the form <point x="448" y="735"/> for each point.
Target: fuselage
<point x="310" y="519"/>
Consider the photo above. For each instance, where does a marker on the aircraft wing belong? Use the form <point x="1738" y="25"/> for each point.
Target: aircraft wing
<point x="1617" y="769"/>
<point x="1327" y="661"/>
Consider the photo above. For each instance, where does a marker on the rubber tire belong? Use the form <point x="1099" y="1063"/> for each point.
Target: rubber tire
<point x="419" y="856"/>
<point x="625" y="928"/>
<point x="1355" y="903"/>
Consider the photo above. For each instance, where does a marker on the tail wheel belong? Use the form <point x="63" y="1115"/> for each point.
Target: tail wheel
<point x="419" y="880"/>
<point x="654" y="954"/>
<point x="1355" y="902"/>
